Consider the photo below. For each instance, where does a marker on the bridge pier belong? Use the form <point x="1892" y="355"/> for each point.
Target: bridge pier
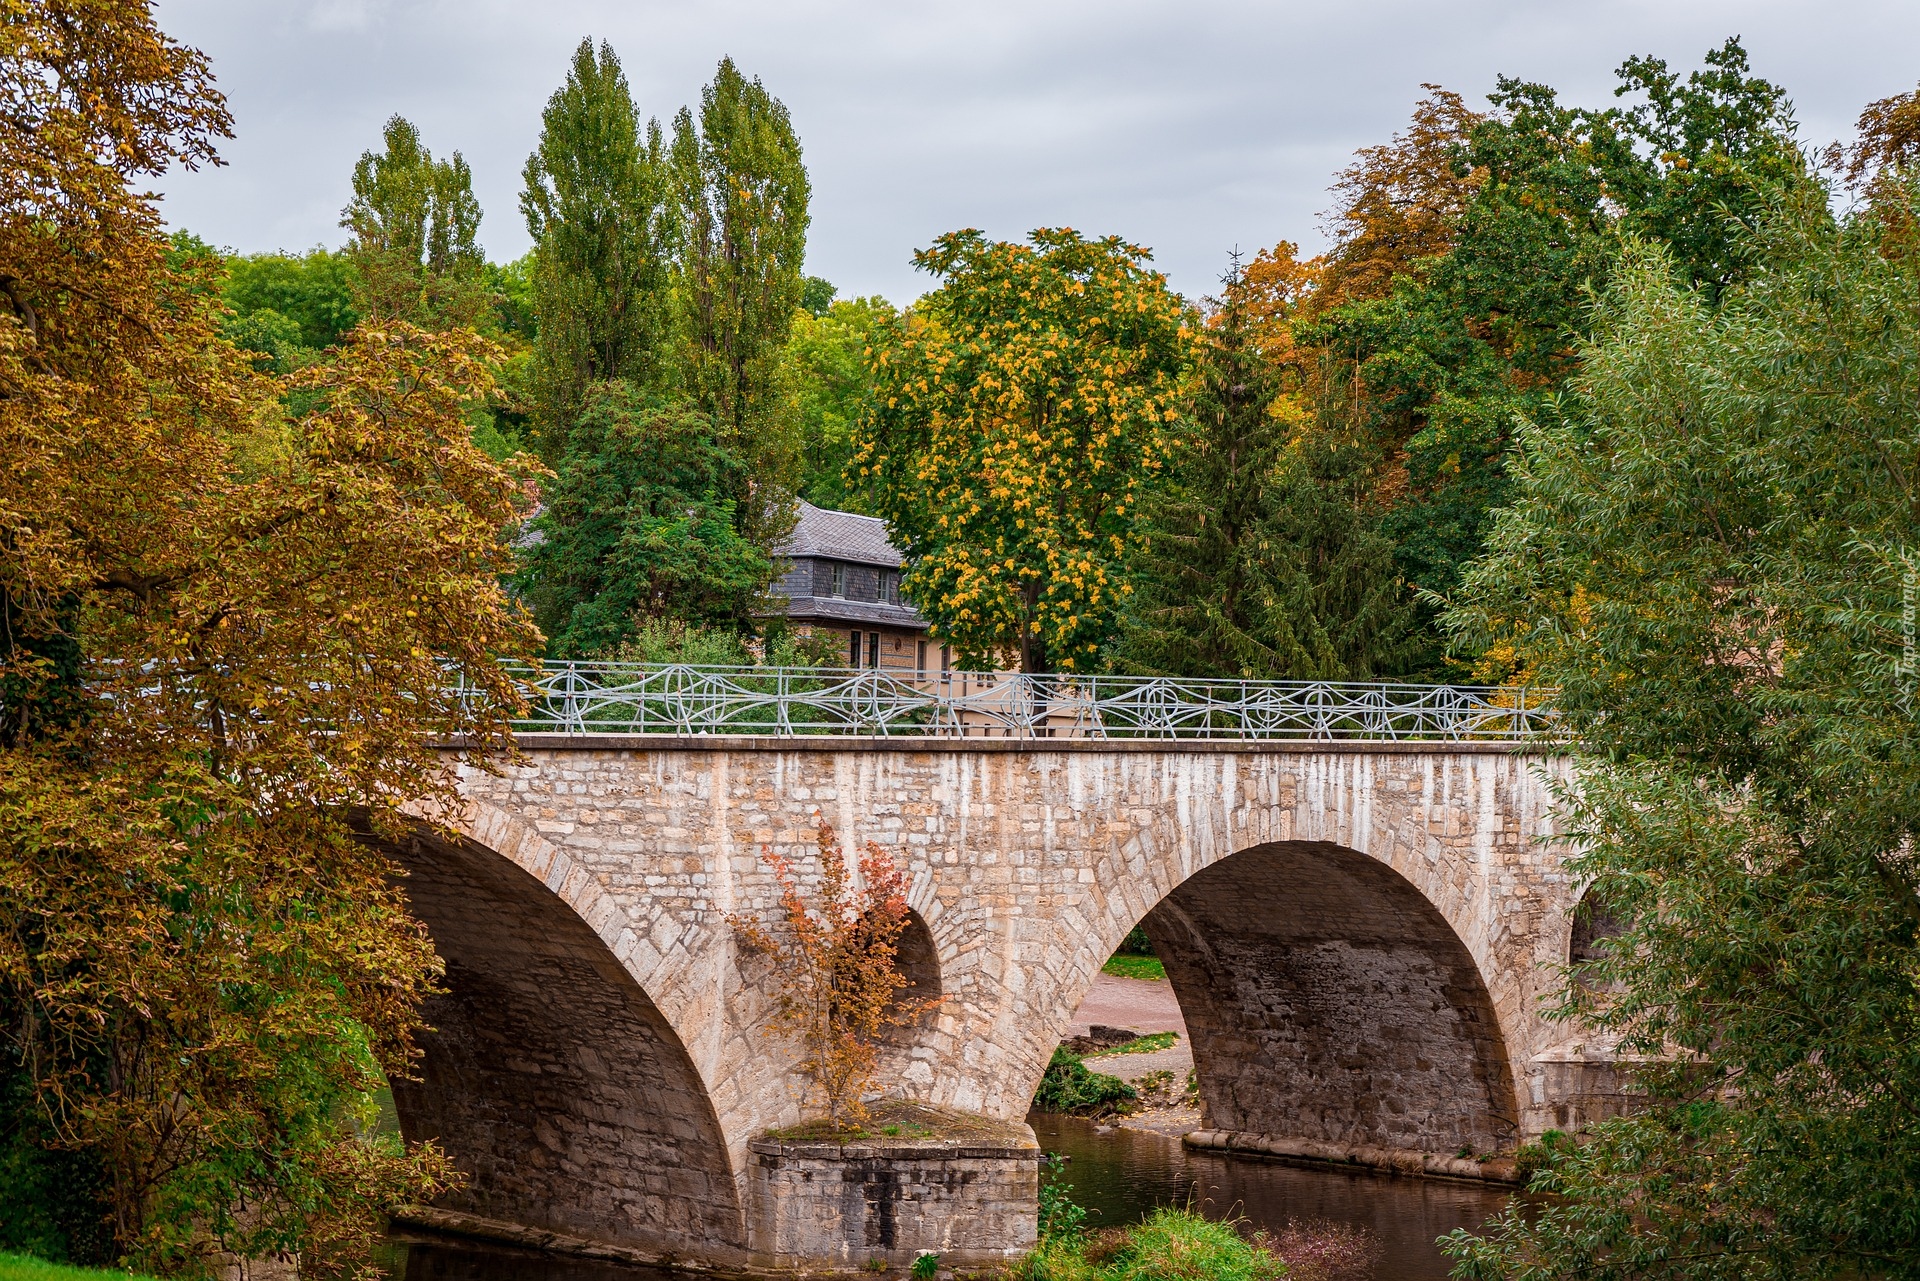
<point x="1359" y="935"/>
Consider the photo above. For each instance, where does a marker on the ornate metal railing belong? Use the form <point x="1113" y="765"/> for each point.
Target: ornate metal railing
<point x="616" y="698"/>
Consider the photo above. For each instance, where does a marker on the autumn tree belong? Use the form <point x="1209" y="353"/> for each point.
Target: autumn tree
<point x="413" y="220"/>
<point x="1400" y="202"/>
<point x="596" y="205"/>
<point x="230" y="638"/>
<point x="836" y="980"/>
<point x="740" y="197"/>
<point x="1710" y="558"/>
<point x="1014" y="421"/>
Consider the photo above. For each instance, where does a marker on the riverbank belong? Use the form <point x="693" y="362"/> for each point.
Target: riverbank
<point x="24" y="1267"/>
<point x="1143" y="1007"/>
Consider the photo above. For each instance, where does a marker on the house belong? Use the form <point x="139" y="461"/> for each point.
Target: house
<point x="844" y="580"/>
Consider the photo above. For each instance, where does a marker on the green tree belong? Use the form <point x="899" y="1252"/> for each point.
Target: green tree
<point x="639" y="527"/>
<point x="1479" y="330"/>
<point x="1252" y="559"/>
<point x="314" y="290"/>
<point x="596" y="206"/>
<point x="827" y="360"/>
<point x="413" y="220"/>
<point x="1711" y="557"/>
<point x="1014" y="422"/>
<point x="740" y="195"/>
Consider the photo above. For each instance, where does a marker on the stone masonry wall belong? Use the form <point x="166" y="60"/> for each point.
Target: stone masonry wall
<point x="550" y="1078"/>
<point x="1380" y="913"/>
<point x="1327" y="1000"/>
<point x="856" y="1204"/>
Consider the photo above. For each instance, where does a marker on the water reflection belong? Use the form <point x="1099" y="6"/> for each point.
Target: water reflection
<point x="1122" y="1174"/>
<point x="1119" y="1174"/>
<point x="421" y="1258"/>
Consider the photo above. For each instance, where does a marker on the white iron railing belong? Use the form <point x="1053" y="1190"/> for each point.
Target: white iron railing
<point x="623" y="698"/>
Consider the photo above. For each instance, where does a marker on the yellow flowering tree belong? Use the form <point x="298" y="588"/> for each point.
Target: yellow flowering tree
<point x="1015" y="418"/>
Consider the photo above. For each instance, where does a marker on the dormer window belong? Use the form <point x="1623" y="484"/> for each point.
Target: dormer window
<point x="839" y="581"/>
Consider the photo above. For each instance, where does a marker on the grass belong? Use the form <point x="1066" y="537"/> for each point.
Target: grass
<point x="1172" y="1245"/>
<point x="23" y="1267"/>
<point x="1125" y="965"/>
<point x="1139" y="1045"/>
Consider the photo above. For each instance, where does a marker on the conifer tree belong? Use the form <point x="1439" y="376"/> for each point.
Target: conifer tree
<point x="1253" y="562"/>
<point x="413" y="220"/>
<point x="595" y="207"/>
<point x="741" y="196"/>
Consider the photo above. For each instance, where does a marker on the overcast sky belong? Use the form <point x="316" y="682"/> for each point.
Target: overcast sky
<point x="1188" y="126"/>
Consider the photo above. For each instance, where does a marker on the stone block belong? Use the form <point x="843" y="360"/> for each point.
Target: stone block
<point x="848" y="1205"/>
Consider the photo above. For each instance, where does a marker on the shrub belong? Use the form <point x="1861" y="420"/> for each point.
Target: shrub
<point x="1068" y="1086"/>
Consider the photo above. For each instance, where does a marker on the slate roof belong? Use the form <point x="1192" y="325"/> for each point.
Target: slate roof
<point x="833" y="535"/>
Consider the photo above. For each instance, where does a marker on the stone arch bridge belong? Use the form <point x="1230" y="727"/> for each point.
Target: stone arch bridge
<point x="1359" y="935"/>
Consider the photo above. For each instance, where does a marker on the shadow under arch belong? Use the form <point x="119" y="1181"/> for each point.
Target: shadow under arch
<point x="550" y="1077"/>
<point x="1327" y="999"/>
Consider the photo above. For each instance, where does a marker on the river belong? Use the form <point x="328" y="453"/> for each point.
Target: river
<point x="1119" y="1175"/>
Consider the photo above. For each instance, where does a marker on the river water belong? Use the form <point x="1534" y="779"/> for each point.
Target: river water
<point x="1119" y="1175"/>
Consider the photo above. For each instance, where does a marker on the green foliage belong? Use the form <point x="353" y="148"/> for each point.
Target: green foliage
<point x="595" y="205"/>
<point x="639" y="525"/>
<point x="1126" y="965"/>
<point x="816" y="295"/>
<point x="27" y="1267"/>
<point x="1171" y="1245"/>
<point x="53" y="1200"/>
<point x="512" y="287"/>
<point x="1179" y="1245"/>
<point x="1251" y="559"/>
<point x="740" y="199"/>
<point x="413" y="220"/>
<point x="1062" y="1221"/>
<point x="1151" y="1043"/>
<point x="273" y="338"/>
<point x="926" y="1265"/>
<point x="314" y="290"/>
<point x="827" y="366"/>
<point x="1532" y="1158"/>
<point x="1482" y="335"/>
<point x="1014" y="422"/>
<point x="1068" y="1086"/>
<point x="1710" y="555"/>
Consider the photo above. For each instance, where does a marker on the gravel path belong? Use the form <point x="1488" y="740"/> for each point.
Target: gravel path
<point x="1141" y="1005"/>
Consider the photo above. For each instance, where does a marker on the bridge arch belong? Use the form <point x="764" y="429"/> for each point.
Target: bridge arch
<point x="1328" y="1000"/>
<point x="549" y="1075"/>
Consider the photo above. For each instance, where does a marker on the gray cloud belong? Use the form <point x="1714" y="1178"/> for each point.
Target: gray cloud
<point x="1191" y="127"/>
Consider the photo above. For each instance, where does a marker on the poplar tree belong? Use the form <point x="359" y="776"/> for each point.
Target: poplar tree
<point x="595" y="205"/>
<point x="740" y="194"/>
<point x="413" y="220"/>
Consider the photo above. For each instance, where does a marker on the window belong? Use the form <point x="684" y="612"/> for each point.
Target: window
<point x="920" y="658"/>
<point x="873" y="649"/>
<point x="853" y="649"/>
<point x="840" y="583"/>
<point x="890" y="586"/>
